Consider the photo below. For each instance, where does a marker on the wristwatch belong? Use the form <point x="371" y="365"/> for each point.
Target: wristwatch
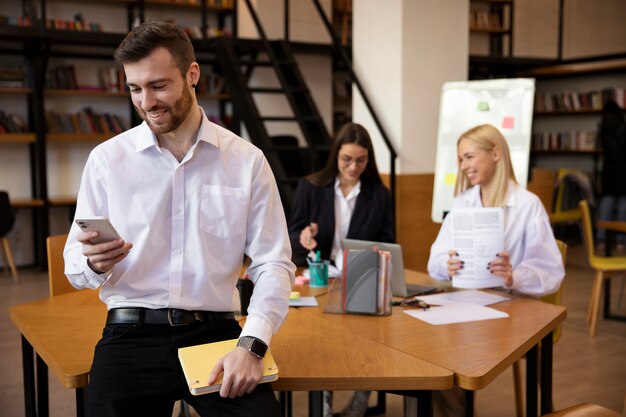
<point x="253" y="345"/>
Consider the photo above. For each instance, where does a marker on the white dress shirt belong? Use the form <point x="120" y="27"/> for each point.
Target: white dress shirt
<point x="344" y="207"/>
<point x="190" y="223"/>
<point x="533" y="253"/>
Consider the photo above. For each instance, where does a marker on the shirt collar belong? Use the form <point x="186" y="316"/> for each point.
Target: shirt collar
<point x="207" y="133"/>
<point x="474" y="195"/>
<point x="353" y="193"/>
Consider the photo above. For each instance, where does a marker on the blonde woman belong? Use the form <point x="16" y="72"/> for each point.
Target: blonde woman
<point x="530" y="263"/>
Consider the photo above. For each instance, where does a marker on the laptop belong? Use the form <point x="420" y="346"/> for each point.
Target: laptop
<point x="399" y="287"/>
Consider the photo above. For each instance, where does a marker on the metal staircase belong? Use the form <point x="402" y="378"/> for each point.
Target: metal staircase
<point x="289" y="161"/>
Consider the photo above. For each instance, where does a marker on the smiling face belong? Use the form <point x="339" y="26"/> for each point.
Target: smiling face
<point x="478" y="164"/>
<point x="351" y="161"/>
<point x="160" y="94"/>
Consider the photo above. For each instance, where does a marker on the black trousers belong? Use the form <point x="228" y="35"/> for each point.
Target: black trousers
<point x="136" y="372"/>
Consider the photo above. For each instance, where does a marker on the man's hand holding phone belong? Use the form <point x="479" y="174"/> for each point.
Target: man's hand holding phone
<point x="102" y="245"/>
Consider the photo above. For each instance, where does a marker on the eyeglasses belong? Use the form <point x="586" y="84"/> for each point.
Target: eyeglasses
<point x="347" y="160"/>
<point x="414" y="302"/>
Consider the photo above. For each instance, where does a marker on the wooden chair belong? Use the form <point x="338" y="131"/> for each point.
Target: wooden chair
<point x="56" y="266"/>
<point x="605" y="266"/>
<point x="559" y="215"/>
<point x="7" y="220"/>
<point x="542" y="184"/>
<point x="554" y="298"/>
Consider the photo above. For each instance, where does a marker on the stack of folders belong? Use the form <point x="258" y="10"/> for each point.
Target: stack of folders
<point x="366" y="282"/>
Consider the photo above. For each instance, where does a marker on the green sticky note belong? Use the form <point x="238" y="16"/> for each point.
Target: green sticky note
<point x="483" y="106"/>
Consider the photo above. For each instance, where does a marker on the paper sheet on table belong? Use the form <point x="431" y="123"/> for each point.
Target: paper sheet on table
<point x="303" y="302"/>
<point x="476" y="297"/>
<point x="456" y="313"/>
<point x="477" y="236"/>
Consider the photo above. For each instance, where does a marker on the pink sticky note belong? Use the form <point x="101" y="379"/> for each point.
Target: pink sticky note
<point x="508" y="122"/>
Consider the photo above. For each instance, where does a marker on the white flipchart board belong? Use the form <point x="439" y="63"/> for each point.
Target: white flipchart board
<point x="504" y="103"/>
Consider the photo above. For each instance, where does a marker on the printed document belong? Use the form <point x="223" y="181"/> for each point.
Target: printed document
<point x="477" y="236"/>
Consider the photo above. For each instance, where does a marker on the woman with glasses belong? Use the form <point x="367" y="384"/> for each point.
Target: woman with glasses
<point x="346" y="199"/>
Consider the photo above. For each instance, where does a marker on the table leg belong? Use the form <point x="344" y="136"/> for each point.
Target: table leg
<point x="43" y="410"/>
<point x="28" y="370"/>
<point x="286" y="403"/>
<point x="316" y="403"/>
<point x="531" y="382"/>
<point x="81" y="402"/>
<point x="425" y="404"/>
<point x="546" y="374"/>
<point x="469" y="403"/>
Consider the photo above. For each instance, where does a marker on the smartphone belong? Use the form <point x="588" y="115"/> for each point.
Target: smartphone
<point x="102" y="225"/>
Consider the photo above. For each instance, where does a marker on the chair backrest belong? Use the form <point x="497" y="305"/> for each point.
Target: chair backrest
<point x="545" y="191"/>
<point x="56" y="266"/>
<point x="555" y="298"/>
<point x="587" y="229"/>
<point x="6" y="214"/>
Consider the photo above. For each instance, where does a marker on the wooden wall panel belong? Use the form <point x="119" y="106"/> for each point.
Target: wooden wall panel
<point x="415" y="230"/>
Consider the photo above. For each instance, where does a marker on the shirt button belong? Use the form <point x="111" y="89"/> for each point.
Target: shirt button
<point x="177" y="251"/>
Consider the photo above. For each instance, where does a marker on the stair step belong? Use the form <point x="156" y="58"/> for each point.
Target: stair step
<point x="255" y="62"/>
<point x="267" y="90"/>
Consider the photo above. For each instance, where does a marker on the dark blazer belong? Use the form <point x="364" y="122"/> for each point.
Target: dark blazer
<point x="371" y="219"/>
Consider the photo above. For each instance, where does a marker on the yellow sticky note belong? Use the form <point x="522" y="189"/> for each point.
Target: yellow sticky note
<point x="294" y="295"/>
<point x="450" y="178"/>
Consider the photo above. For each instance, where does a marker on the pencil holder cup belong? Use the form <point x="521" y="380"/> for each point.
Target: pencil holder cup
<point x="318" y="274"/>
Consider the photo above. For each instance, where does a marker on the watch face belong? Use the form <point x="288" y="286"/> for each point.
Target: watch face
<point x="254" y="345"/>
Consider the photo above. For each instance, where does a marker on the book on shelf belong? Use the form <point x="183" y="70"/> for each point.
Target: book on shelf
<point x="12" y="77"/>
<point x="198" y="361"/>
<point x="582" y="141"/>
<point x="572" y="101"/>
<point x="84" y="122"/>
<point x="11" y="123"/>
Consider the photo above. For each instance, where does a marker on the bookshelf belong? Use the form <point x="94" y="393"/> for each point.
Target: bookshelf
<point x="491" y="28"/>
<point x="44" y="161"/>
<point x="568" y="105"/>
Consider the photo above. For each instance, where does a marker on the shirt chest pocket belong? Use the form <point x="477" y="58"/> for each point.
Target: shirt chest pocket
<point x="223" y="210"/>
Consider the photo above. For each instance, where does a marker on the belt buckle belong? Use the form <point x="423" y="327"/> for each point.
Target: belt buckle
<point x="171" y="321"/>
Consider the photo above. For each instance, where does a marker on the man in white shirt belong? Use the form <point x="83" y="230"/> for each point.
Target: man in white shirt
<point x="193" y="198"/>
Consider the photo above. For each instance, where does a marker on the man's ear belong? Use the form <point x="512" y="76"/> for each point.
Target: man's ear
<point x="193" y="75"/>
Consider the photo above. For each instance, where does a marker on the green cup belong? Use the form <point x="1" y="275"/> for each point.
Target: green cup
<point x="318" y="274"/>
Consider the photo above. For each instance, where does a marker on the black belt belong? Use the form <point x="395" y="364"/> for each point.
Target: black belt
<point x="171" y="316"/>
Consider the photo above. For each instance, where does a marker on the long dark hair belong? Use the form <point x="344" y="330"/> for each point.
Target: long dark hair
<point x="350" y="133"/>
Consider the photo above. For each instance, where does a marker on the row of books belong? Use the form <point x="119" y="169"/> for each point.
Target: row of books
<point x="12" y="123"/>
<point x="23" y="21"/>
<point x="484" y="20"/>
<point x="12" y="77"/>
<point x="79" y="23"/>
<point x="546" y="102"/>
<point x="84" y="122"/>
<point x="565" y="141"/>
<point x="63" y="77"/>
<point x="195" y="32"/>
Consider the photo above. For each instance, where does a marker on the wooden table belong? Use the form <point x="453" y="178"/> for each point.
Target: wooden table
<point x="313" y="354"/>
<point x="477" y="352"/>
<point x="611" y="228"/>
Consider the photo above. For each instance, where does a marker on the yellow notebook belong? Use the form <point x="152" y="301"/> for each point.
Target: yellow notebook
<point x="198" y="361"/>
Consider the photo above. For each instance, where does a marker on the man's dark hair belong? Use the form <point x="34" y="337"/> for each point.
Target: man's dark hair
<point x="145" y="38"/>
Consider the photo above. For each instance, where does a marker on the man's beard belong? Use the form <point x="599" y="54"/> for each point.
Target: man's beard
<point x="177" y="113"/>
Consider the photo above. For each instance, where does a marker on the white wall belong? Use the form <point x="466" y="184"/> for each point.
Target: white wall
<point x="425" y="44"/>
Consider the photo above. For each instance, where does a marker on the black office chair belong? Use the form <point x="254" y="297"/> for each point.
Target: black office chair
<point x="6" y="225"/>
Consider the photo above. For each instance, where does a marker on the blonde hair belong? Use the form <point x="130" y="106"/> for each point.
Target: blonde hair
<point x="487" y="137"/>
